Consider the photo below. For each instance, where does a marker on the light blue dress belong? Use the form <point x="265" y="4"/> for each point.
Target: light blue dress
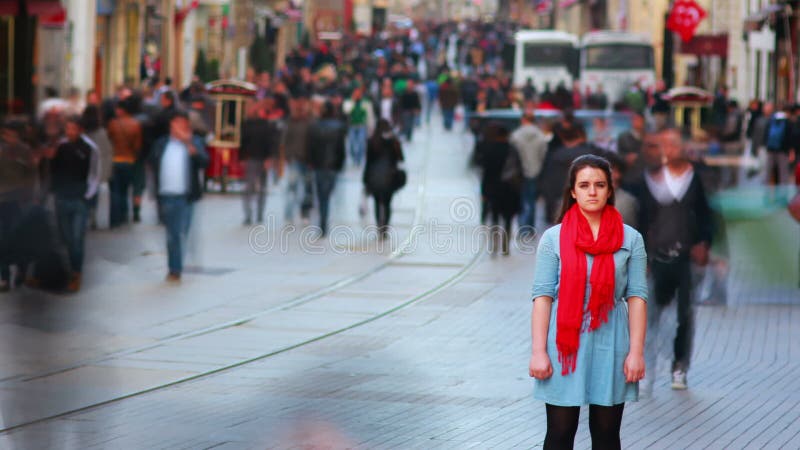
<point x="598" y="378"/>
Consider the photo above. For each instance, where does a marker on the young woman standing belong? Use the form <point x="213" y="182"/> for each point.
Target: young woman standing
<point x="588" y="343"/>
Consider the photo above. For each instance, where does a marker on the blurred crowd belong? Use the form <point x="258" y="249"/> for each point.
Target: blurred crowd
<point x="85" y="162"/>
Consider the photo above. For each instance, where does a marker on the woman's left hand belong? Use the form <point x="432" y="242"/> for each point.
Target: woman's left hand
<point x="633" y="368"/>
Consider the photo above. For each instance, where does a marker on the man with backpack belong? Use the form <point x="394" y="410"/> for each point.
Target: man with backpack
<point x="780" y="148"/>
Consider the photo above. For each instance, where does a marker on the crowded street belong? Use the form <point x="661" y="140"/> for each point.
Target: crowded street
<point x="418" y="346"/>
<point x="355" y="225"/>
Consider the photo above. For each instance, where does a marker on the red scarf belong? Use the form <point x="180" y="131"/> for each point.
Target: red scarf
<point x="575" y="242"/>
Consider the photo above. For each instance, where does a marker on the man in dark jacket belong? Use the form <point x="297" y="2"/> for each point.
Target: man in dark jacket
<point x="676" y="224"/>
<point x="629" y="147"/>
<point x="299" y="183"/>
<point x="448" y="100"/>
<point x="780" y="147"/>
<point x="161" y="122"/>
<point x="75" y="171"/>
<point x="326" y="144"/>
<point x="177" y="160"/>
<point x="410" y="106"/>
<point x="262" y="134"/>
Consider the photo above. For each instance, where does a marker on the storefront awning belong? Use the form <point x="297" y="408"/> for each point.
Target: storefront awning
<point x="44" y="7"/>
<point x="49" y="12"/>
<point x="706" y="45"/>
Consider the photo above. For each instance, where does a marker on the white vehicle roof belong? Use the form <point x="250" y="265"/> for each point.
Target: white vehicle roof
<point x="545" y="36"/>
<point x="615" y="37"/>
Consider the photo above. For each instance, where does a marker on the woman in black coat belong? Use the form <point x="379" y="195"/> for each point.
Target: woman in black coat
<point x="501" y="199"/>
<point x="382" y="176"/>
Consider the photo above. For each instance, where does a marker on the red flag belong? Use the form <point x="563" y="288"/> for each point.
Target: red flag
<point x="684" y="18"/>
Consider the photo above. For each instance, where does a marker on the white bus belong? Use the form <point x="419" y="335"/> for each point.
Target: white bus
<point x="616" y="60"/>
<point x="546" y="57"/>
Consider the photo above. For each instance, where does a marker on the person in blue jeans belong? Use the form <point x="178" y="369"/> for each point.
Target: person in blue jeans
<point x="326" y="143"/>
<point x="530" y="144"/>
<point x="448" y="100"/>
<point x="432" y="91"/>
<point x="410" y="106"/>
<point x="177" y="161"/>
<point x="75" y="176"/>
<point x="360" y="119"/>
<point x="589" y="311"/>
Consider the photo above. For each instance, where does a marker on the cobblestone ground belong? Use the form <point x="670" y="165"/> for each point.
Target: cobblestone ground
<point x="343" y="350"/>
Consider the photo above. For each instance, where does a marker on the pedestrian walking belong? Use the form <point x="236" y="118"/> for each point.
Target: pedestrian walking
<point x="431" y="96"/>
<point x="326" y="144"/>
<point x="261" y="139"/>
<point x="163" y="118"/>
<point x="17" y="183"/>
<point x="75" y="176"/>
<point x="629" y="147"/>
<point x="387" y="107"/>
<point x="780" y="148"/>
<point x="587" y="346"/>
<point x="531" y="145"/>
<point x="382" y="176"/>
<point x="410" y="106"/>
<point x="359" y="113"/>
<point x="299" y="178"/>
<point x="676" y="222"/>
<point x="500" y="198"/>
<point x="177" y="161"/>
<point x="448" y="100"/>
<point x="100" y="206"/>
<point x="125" y="133"/>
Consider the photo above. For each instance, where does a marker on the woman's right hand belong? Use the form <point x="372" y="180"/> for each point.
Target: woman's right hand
<point x="540" y="366"/>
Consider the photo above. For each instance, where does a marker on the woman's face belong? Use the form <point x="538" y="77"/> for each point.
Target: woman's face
<point x="591" y="190"/>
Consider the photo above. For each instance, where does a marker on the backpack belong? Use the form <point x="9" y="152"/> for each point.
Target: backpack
<point x="775" y="133"/>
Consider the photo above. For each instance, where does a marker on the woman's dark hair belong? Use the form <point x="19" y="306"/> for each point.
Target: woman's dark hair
<point x="382" y="127"/>
<point x="90" y="119"/>
<point x="582" y="162"/>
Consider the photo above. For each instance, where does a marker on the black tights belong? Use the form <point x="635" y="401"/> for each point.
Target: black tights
<point x="383" y="210"/>
<point x="604" y="425"/>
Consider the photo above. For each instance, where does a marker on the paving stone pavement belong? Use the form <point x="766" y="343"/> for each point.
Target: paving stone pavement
<point x="450" y="372"/>
<point x="447" y="370"/>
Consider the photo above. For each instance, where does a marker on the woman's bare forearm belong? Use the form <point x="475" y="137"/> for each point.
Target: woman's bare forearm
<point x="637" y="320"/>
<point x="540" y="323"/>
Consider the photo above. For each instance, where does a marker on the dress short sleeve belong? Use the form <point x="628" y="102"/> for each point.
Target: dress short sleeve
<point x="545" y="275"/>
<point x="637" y="270"/>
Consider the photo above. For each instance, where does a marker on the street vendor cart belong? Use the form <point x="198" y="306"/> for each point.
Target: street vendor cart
<point x="224" y="168"/>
